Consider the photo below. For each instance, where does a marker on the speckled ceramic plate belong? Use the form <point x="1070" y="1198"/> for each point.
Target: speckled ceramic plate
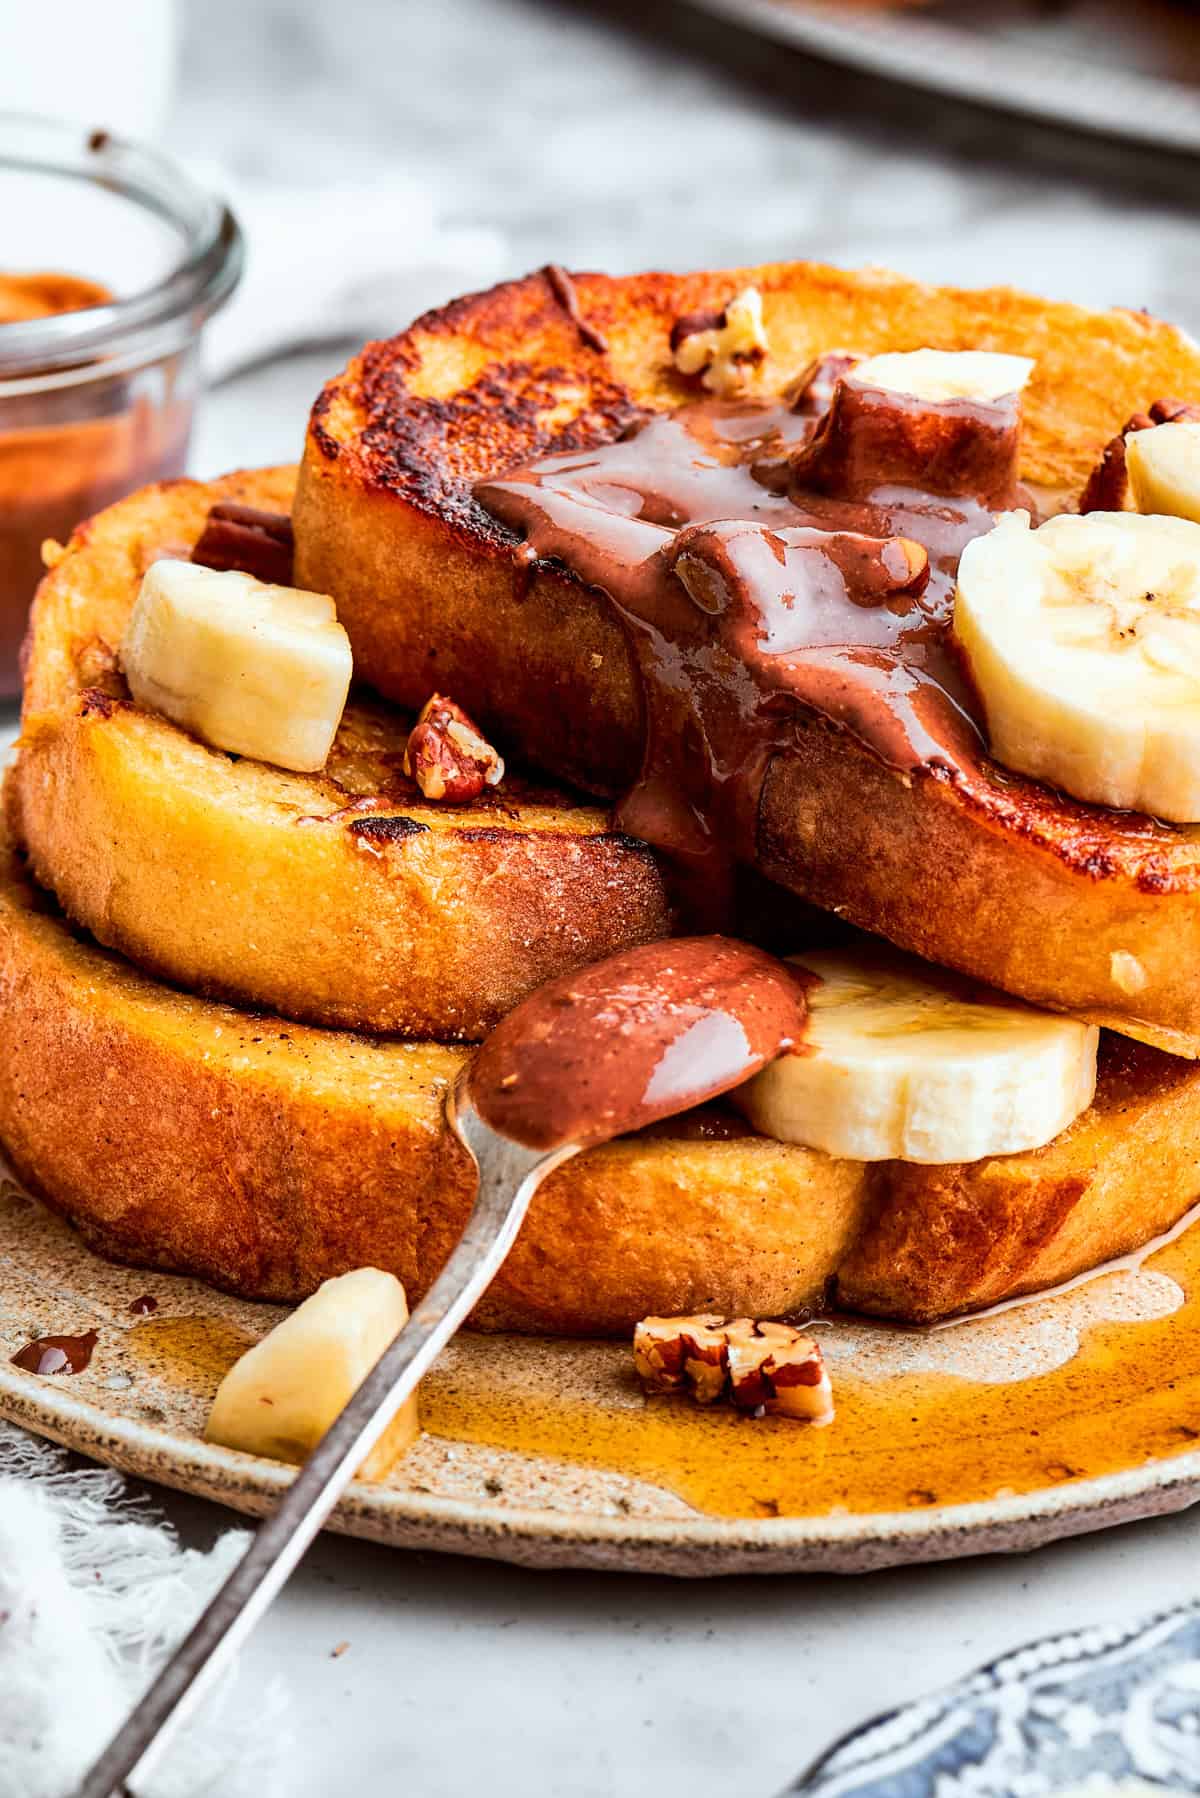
<point x="1061" y="1416"/>
<point x="1119" y="68"/>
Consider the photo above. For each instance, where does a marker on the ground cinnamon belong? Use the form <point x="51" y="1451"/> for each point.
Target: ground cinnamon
<point x="67" y="451"/>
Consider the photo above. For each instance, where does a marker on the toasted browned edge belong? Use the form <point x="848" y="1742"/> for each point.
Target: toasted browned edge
<point x="1060" y="903"/>
<point x="424" y="921"/>
<point x="264" y="1156"/>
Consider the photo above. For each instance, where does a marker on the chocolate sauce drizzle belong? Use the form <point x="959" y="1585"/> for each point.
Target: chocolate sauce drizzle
<point x="249" y="540"/>
<point x="57" y="1354"/>
<point x="567" y="295"/>
<point x="773" y="564"/>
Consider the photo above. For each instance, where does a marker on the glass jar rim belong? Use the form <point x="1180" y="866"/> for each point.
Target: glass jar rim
<point x="201" y="279"/>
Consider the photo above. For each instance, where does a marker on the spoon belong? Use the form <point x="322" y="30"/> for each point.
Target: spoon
<point x="589" y="1056"/>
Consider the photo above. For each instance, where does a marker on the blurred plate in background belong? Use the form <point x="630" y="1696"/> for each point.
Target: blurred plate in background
<point x="1121" y="68"/>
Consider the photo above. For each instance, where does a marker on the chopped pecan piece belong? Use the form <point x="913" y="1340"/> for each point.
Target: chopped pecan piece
<point x="673" y="1354"/>
<point x="1174" y="412"/>
<point x="1107" y="488"/>
<point x="249" y="540"/>
<point x="757" y="1367"/>
<point x="777" y="1368"/>
<point x="447" y="755"/>
<point x="721" y="347"/>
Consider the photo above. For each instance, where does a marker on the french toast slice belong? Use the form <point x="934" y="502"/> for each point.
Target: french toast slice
<point x="1070" y="906"/>
<point x="264" y="1157"/>
<point x="343" y="898"/>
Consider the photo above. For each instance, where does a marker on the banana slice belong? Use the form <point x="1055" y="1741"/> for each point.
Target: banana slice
<point x="902" y="1062"/>
<point x="284" y="1393"/>
<point x="1164" y="469"/>
<point x="1083" y="638"/>
<point x="258" y="670"/>
<point x="937" y="375"/>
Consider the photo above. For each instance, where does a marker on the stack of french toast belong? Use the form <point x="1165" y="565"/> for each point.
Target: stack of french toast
<point x="850" y="614"/>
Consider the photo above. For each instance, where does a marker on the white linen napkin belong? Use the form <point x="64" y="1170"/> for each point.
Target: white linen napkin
<point x="95" y="1591"/>
<point x="347" y="261"/>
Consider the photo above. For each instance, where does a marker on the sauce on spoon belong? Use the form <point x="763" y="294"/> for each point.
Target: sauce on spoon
<point x="636" y="1038"/>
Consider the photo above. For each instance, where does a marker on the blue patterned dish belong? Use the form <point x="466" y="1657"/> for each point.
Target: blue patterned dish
<point x="1086" y="1712"/>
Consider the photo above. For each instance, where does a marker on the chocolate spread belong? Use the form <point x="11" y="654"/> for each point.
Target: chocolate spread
<point x="636" y="1038"/>
<point x="248" y="539"/>
<point x="56" y="1354"/>
<point x="567" y="295"/>
<point x="771" y="563"/>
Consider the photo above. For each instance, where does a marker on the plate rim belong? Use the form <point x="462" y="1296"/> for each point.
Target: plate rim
<point x="841" y="1542"/>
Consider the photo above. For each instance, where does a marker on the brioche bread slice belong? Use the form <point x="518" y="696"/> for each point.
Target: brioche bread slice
<point x="265" y="1157"/>
<point x="1070" y="906"/>
<point x="342" y="898"/>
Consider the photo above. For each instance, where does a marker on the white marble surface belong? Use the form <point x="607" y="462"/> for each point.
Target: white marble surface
<point x="616" y="137"/>
<point x="581" y="137"/>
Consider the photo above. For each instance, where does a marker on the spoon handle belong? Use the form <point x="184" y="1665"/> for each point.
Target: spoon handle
<point x="509" y="1175"/>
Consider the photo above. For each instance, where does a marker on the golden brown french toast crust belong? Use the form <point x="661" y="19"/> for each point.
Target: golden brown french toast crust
<point x="429" y="447"/>
<point x="1088" y="839"/>
<point x="497" y="377"/>
<point x="414" y="446"/>
<point x="265" y="1156"/>
<point x="427" y="582"/>
<point x="344" y="898"/>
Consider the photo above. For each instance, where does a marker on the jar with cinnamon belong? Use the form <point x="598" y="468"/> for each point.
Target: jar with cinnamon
<point x="113" y="261"/>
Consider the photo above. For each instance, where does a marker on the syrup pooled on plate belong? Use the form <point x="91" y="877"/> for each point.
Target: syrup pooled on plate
<point x="904" y="1438"/>
<point x="1054" y="1393"/>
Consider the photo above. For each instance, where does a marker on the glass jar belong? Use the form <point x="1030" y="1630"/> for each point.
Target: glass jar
<point x="97" y="401"/>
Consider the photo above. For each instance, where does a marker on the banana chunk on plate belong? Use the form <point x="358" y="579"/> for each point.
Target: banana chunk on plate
<point x="1163" y="464"/>
<point x="1083" y="639"/>
<point x="254" y="669"/>
<point x="279" y="1399"/>
<point x="940" y="375"/>
<point x="902" y="1062"/>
